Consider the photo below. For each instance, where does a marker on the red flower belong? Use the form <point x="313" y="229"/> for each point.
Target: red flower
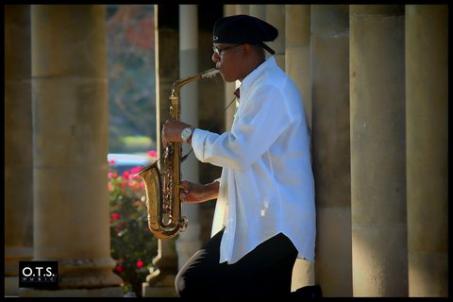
<point x="135" y="170"/>
<point x="119" y="268"/>
<point x="140" y="263"/>
<point x="152" y="154"/>
<point x="111" y="162"/>
<point x="134" y="185"/>
<point x="112" y="175"/>
<point x="115" y="216"/>
<point x="126" y="175"/>
<point x="124" y="184"/>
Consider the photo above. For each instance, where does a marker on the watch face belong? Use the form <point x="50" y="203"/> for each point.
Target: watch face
<point x="185" y="134"/>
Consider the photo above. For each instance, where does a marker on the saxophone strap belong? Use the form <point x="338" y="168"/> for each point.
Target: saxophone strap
<point x="185" y="156"/>
<point x="236" y="96"/>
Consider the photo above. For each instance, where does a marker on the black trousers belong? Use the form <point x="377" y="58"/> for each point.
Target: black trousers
<point x="265" y="271"/>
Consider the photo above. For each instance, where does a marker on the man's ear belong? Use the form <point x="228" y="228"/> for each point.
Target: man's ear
<point x="250" y="49"/>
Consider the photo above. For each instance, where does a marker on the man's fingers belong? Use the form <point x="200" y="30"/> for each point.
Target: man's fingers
<point x="182" y="196"/>
<point x="185" y="185"/>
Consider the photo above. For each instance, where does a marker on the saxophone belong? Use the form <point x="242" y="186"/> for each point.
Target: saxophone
<point x="162" y="186"/>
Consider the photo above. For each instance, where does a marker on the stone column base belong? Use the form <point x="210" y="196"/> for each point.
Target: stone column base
<point x="185" y="249"/>
<point x="158" y="291"/>
<point x="12" y="286"/>
<point x="97" y="292"/>
<point x="159" y="284"/>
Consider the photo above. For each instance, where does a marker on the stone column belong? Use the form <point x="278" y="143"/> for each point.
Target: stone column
<point x="160" y="281"/>
<point x="70" y="130"/>
<point x="258" y="10"/>
<point x="189" y="240"/>
<point x="229" y="10"/>
<point x="18" y="145"/>
<point x="378" y="182"/>
<point x="275" y="15"/>
<point x="427" y="149"/>
<point x="242" y="9"/>
<point x="331" y="147"/>
<point x="297" y="54"/>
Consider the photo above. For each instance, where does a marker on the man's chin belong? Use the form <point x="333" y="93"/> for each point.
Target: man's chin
<point x="227" y="79"/>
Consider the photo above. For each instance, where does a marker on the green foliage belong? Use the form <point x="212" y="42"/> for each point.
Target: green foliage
<point x="130" y="39"/>
<point x="136" y="143"/>
<point x="131" y="74"/>
<point x="132" y="245"/>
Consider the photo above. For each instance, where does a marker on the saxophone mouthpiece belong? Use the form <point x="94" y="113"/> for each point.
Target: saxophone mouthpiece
<point x="210" y="73"/>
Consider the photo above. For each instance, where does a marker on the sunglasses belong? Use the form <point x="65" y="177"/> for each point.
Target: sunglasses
<point x="219" y="51"/>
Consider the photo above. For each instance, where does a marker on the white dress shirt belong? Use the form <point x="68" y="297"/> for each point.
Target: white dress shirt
<point x="267" y="184"/>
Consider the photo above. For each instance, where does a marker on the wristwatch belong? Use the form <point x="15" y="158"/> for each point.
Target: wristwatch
<point x="186" y="133"/>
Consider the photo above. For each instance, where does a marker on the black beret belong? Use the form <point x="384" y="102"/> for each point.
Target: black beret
<point x="240" y="29"/>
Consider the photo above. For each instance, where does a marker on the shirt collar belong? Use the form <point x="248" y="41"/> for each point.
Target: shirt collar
<point x="252" y="76"/>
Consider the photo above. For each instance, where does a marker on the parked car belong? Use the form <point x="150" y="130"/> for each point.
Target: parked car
<point x="124" y="161"/>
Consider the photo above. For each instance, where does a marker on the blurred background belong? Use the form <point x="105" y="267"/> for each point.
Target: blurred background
<point x="86" y="93"/>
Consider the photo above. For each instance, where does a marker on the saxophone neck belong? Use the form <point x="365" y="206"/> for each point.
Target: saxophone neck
<point x="202" y="75"/>
<point x="179" y="83"/>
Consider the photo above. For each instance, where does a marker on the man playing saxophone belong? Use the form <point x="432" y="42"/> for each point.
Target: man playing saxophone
<point x="265" y="211"/>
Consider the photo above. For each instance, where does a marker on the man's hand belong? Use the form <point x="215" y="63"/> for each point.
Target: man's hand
<point x="196" y="193"/>
<point x="171" y="131"/>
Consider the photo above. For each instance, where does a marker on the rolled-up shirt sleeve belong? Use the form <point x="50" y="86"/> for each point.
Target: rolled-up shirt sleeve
<point x="198" y="138"/>
<point x="259" y="123"/>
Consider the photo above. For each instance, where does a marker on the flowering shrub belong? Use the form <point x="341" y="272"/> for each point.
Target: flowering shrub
<point x="132" y="244"/>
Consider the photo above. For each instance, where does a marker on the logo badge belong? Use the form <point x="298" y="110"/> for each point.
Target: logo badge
<point x="38" y="274"/>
